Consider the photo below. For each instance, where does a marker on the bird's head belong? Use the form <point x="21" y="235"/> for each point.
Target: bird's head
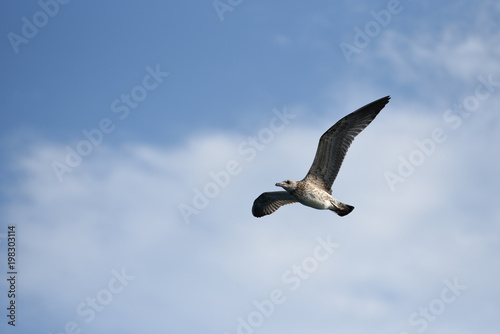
<point x="288" y="185"/>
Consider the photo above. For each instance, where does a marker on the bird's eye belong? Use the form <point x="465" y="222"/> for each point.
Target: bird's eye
<point x="287" y="182"/>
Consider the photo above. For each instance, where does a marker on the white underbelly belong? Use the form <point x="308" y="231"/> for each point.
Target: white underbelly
<point x="316" y="200"/>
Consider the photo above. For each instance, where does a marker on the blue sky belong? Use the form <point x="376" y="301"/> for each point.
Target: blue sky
<point x="135" y="136"/>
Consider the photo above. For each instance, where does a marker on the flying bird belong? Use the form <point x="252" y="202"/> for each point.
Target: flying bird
<point x="314" y="190"/>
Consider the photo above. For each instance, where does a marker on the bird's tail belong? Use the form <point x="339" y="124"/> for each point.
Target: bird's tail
<point x="340" y="208"/>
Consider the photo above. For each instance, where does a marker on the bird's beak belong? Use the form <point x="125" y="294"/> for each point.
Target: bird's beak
<point x="279" y="184"/>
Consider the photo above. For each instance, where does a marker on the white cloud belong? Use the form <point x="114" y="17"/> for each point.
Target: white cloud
<point x="461" y="55"/>
<point x="119" y="209"/>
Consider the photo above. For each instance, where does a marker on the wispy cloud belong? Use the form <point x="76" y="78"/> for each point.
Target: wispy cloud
<point x="119" y="209"/>
<point x="123" y="204"/>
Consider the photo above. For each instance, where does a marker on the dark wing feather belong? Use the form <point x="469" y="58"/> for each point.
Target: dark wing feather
<point x="335" y="142"/>
<point x="269" y="202"/>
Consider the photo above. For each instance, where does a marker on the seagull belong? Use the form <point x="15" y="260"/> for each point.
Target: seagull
<point x="314" y="190"/>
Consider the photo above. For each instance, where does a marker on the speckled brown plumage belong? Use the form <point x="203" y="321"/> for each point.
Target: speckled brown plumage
<point x="315" y="189"/>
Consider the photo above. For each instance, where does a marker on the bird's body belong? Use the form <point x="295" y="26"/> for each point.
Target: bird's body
<point x="313" y="196"/>
<point x="315" y="189"/>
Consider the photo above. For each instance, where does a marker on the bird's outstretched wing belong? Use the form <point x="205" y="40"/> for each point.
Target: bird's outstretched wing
<point x="269" y="202"/>
<point x="335" y="142"/>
